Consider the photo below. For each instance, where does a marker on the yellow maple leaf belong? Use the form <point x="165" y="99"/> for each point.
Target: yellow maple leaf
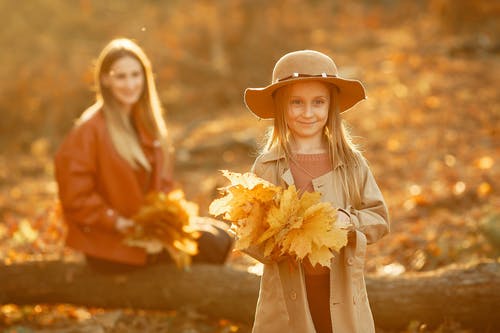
<point x="271" y="247"/>
<point x="283" y="215"/>
<point x="307" y="200"/>
<point x="317" y="231"/>
<point x="251" y="227"/>
<point x="238" y="201"/>
<point x="247" y="180"/>
<point x="320" y="255"/>
<point x="220" y="206"/>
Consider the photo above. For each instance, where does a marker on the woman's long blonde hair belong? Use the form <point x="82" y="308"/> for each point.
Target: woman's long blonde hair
<point x="342" y="150"/>
<point x="148" y="109"/>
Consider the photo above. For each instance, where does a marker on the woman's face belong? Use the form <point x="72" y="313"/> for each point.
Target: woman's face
<point x="125" y="80"/>
<point x="307" y="111"/>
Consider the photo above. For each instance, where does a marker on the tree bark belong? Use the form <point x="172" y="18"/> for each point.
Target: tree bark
<point x="467" y="294"/>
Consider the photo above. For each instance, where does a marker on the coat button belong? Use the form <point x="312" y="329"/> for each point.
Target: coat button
<point x="350" y="261"/>
<point x="156" y="143"/>
<point x="293" y="295"/>
<point x="353" y="300"/>
<point x="110" y="212"/>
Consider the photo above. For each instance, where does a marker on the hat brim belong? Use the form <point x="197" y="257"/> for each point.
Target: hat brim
<point x="260" y="100"/>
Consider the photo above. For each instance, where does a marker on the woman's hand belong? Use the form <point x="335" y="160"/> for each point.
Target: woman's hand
<point x="123" y="224"/>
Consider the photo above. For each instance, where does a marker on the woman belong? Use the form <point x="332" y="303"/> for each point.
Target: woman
<point x="118" y="151"/>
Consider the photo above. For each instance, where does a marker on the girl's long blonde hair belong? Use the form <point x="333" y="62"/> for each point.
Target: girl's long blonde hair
<point x="148" y="109"/>
<point x="342" y="150"/>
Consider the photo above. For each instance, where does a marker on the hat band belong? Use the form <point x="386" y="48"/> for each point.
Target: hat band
<point x="297" y="75"/>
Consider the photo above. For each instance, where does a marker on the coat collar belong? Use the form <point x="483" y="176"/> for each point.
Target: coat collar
<point x="274" y="154"/>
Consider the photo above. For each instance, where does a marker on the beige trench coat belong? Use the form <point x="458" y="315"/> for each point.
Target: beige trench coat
<point x="282" y="305"/>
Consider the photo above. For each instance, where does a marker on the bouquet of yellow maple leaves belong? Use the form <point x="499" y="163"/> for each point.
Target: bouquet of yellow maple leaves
<point x="281" y="221"/>
<point x="164" y="222"/>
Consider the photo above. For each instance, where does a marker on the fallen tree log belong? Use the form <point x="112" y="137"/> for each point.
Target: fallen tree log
<point x="209" y="289"/>
<point x="470" y="295"/>
<point x="467" y="294"/>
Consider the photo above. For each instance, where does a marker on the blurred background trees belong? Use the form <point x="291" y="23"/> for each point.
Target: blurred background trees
<point x="206" y="52"/>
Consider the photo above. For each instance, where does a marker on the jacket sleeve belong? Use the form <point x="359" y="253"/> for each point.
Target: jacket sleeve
<point x="75" y="172"/>
<point x="167" y="180"/>
<point x="372" y="217"/>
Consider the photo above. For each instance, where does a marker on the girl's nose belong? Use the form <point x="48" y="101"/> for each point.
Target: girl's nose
<point x="308" y="109"/>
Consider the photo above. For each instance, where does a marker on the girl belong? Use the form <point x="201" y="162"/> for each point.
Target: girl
<point x="119" y="151"/>
<point x="310" y="148"/>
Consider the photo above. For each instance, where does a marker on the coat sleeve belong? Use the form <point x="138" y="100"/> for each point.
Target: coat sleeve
<point x="372" y="217"/>
<point x="75" y="172"/>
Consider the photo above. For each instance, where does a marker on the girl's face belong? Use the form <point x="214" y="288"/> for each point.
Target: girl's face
<point x="125" y="80"/>
<point x="307" y="111"/>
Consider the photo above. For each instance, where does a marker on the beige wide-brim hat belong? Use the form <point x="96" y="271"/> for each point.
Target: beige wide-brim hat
<point x="303" y="66"/>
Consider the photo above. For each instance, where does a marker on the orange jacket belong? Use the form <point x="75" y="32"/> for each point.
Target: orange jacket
<point x="96" y="186"/>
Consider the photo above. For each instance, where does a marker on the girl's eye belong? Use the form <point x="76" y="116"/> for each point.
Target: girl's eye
<point x="318" y="102"/>
<point x="136" y="74"/>
<point x="295" y="102"/>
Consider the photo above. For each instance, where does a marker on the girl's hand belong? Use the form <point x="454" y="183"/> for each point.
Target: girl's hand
<point x="343" y="219"/>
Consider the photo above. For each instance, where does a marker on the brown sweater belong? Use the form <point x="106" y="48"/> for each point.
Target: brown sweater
<point x="304" y="168"/>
